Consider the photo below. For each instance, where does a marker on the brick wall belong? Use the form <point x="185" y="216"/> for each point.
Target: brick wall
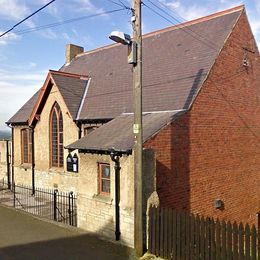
<point x="213" y="151"/>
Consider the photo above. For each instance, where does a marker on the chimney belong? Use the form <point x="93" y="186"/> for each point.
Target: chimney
<point x="72" y="51"/>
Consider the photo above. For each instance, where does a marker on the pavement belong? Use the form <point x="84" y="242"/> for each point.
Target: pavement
<point x="25" y="237"/>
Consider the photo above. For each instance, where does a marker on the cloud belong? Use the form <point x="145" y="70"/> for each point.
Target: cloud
<point x="8" y="38"/>
<point x="184" y="11"/>
<point x="88" y="6"/>
<point x="255" y="25"/>
<point x="193" y="10"/>
<point x="52" y="8"/>
<point x="13" y="9"/>
<point x="17" y="86"/>
<point x="48" y="34"/>
<point x="32" y="64"/>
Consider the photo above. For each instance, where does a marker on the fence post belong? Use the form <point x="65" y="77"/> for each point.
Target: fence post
<point x="55" y="204"/>
<point x="14" y="194"/>
<point x="70" y="206"/>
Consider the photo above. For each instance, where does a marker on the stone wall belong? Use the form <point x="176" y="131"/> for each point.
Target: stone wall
<point x="45" y="175"/>
<point x="96" y="213"/>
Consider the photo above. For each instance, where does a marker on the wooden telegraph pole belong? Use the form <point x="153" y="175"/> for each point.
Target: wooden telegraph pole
<point x="137" y="129"/>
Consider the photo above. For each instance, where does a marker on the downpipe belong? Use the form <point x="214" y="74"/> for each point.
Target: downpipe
<point x="116" y="159"/>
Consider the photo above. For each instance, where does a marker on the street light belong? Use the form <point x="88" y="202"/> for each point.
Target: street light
<point x="120" y="37"/>
<point x="125" y="39"/>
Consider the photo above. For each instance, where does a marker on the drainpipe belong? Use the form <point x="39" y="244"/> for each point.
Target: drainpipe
<point x="80" y="130"/>
<point x="8" y="165"/>
<point x="33" y="163"/>
<point x="115" y="159"/>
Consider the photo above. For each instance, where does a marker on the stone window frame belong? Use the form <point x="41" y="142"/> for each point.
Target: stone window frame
<point x="101" y="178"/>
<point x="26" y="145"/>
<point x="58" y="161"/>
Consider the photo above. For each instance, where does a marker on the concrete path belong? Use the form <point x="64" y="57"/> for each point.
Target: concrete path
<point x="27" y="238"/>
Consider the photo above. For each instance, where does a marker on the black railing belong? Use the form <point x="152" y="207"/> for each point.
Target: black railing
<point x="47" y="203"/>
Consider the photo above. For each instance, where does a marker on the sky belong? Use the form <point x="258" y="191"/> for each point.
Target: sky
<point x="26" y="57"/>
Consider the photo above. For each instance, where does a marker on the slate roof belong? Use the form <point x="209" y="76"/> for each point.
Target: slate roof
<point x="72" y="90"/>
<point x="118" y="133"/>
<point x="176" y="62"/>
<point x="175" y="65"/>
<point x="71" y="87"/>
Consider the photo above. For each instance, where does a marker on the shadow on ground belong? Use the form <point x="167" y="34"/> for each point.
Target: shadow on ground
<point x="29" y="238"/>
<point x="78" y="247"/>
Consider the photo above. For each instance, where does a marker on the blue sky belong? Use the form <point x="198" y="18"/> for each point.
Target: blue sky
<point x="25" y="58"/>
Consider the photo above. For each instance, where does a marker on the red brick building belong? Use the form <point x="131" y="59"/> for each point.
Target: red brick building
<point x="201" y="90"/>
<point x="213" y="151"/>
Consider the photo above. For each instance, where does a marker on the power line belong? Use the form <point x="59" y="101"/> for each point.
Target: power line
<point x="26" y="18"/>
<point x="51" y="25"/>
<point x="165" y="6"/>
<point x="182" y="28"/>
<point x="121" y="4"/>
<point x="178" y="21"/>
<point x="165" y="18"/>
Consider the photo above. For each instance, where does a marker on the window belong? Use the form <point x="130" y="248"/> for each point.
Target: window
<point x="56" y="136"/>
<point x="89" y="129"/>
<point x="26" y="137"/>
<point x="104" y="179"/>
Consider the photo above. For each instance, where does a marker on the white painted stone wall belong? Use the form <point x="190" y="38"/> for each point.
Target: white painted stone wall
<point x="96" y="213"/>
<point x="3" y="165"/>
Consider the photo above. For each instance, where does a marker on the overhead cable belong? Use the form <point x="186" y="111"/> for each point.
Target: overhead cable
<point x="26" y="18"/>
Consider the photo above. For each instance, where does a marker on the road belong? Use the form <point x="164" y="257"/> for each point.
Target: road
<point x="25" y="237"/>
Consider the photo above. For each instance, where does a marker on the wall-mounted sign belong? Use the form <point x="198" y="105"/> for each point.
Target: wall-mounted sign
<point x="72" y="163"/>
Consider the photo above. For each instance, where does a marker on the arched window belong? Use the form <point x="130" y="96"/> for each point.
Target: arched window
<point x="56" y="126"/>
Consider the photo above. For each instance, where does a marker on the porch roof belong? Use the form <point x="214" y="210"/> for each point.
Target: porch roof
<point x="117" y="135"/>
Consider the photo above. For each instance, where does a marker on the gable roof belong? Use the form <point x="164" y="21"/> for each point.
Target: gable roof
<point x="71" y="87"/>
<point x="176" y="61"/>
<point x="118" y="133"/>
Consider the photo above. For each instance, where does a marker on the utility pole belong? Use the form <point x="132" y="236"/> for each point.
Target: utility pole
<point x="138" y="130"/>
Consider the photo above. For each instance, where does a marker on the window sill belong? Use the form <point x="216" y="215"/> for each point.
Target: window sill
<point x="103" y="198"/>
<point x="26" y="166"/>
<point x="57" y="169"/>
<point x="61" y="171"/>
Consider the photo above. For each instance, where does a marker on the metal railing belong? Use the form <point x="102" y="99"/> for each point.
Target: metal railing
<point x="47" y="203"/>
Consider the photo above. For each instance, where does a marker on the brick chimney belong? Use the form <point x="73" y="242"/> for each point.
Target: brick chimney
<point x="72" y="51"/>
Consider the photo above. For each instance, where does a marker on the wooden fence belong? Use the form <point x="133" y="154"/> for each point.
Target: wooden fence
<point x="180" y="235"/>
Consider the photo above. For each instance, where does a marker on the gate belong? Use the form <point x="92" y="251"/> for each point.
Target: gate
<point x="64" y="209"/>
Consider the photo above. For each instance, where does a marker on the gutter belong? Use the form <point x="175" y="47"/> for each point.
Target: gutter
<point x="101" y="151"/>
